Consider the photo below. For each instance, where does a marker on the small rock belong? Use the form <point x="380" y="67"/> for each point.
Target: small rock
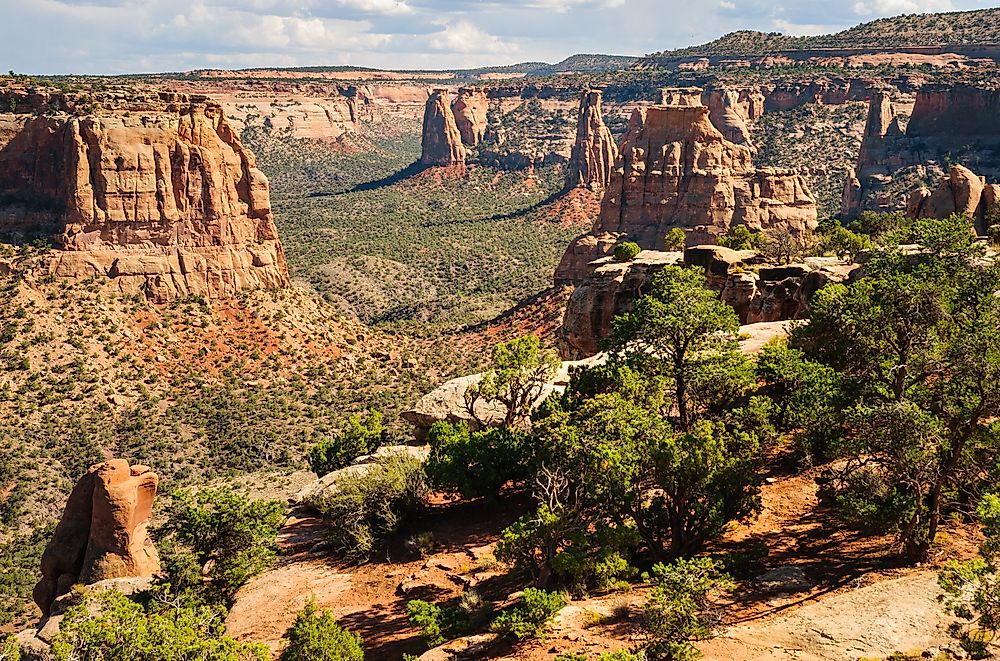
<point x="784" y="579"/>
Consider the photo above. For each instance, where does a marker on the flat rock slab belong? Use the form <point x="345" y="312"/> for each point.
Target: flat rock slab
<point x="900" y="614"/>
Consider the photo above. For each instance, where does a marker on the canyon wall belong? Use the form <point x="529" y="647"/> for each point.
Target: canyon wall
<point x="948" y="125"/>
<point x="158" y="195"/>
<point x="471" y="108"/>
<point x="677" y="170"/>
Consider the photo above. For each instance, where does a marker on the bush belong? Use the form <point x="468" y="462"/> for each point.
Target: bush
<point x="520" y="369"/>
<point x="678" y="612"/>
<point x="316" y="636"/>
<point x="366" y="509"/>
<point x="474" y="464"/>
<point x="531" y="617"/>
<point x="362" y="436"/>
<point x="626" y="251"/>
<point x="218" y="526"/>
<point x="675" y="239"/>
<point x="740" y="237"/>
<point x="119" y="629"/>
<point x="9" y="649"/>
<point x="437" y="624"/>
<point x="993" y="234"/>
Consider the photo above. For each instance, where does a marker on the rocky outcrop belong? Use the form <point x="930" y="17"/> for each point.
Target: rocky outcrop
<point x="962" y="191"/>
<point x="677" y="170"/>
<point x="165" y="201"/>
<point x="959" y="110"/>
<point x="102" y="534"/>
<point x="470" y="110"/>
<point x="441" y="142"/>
<point x="733" y="110"/>
<point x="595" y="151"/>
<point x="759" y="293"/>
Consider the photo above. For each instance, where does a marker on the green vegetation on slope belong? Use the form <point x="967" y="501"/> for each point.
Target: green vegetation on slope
<point x="433" y="249"/>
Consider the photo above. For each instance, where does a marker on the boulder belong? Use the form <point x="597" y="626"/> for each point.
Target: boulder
<point x="102" y="533"/>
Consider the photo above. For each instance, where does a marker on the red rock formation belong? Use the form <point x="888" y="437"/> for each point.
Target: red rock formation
<point x="164" y="201"/>
<point x="102" y="533"/>
<point x="595" y="151"/>
<point x="731" y="110"/>
<point x="961" y="192"/>
<point x="441" y="141"/>
<point x="677" y="170"/>
<point x="958" y="110"/>
<point x="470" y="109"/>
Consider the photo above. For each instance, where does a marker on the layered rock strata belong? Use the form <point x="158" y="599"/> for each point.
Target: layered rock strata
<point x="677" y="170"/>
<point x="595" y="151"/>
<point x="164" y="201"/>
<point x="758" y="292"/>
<point x="103" y="533"/>
<point x="441" y="141"/>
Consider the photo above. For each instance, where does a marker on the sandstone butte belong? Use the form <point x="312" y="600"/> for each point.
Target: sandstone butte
<point x="677" y="170"/>
<point x="102" y="533"/>
<point x="470" y="109"/>
<point x="441" y="142"/>
<point x="156" y="194"/>
<point x="595" y="150"/>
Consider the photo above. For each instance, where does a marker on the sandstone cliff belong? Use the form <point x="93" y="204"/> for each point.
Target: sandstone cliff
<point x="953" y="124"/>
<point x="595" y="151"/>
<point x="677" y="170"/>
<point x="758" y="292"/>
<point x="164" y="200"/>
<point x="441" y="139"/>
<point x="470" y="110"/>
<point x="102" y="533"/>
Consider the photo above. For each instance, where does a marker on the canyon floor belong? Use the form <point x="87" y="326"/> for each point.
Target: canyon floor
<point x="853" y="597"/>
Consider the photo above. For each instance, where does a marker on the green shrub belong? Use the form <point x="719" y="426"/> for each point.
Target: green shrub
<point x="479" y="463"/>
<point x="626" y="251"/>
<point x="362" y="436"/>
<point x="235" y="534"/>
<point x="316" y="636"/>
<point x="111" y="627"/>
<point x="530" y="618"/>
<point x="740" y="237"/>
<point x="993" y="234"/>
<point x="678" y="611"/>
<point x="675" y="239"/>
<point x="366" y="509"/>
<point x="439" y="624"/>
<point x="518" y="374"/>
<point x="9" y="649"/>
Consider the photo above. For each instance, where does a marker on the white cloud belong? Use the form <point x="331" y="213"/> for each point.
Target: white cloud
<point x="464" y="37"/>
<point x="890" y="7"/>
<point x="725" y="4"/>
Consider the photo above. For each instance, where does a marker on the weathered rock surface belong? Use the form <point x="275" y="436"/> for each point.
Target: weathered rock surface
<point x="103" y="533"/>
<point x="677" y="170"/>
<point x="962" y="191"/>
<point x="595" y="151"/>
<point x="760" y="294"/>
<point x="165" y="200"/>
<point x="470" y="110"/>
<point x="441" y="142"/>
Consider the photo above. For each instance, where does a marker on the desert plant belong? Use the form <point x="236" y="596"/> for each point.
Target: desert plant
<point x="678" y="612"/>
<point x="675" y="239"/>
<point x="9" y="649"/>
<point x="478" y="463"/>
<point x="364" y="510"/>
<point x="316" y="636"/>
<point x="520" y="369"/>
<point x="740" y="237"/>
<point x="361" y="436"/>
<point x="233" y="536"/>
<point x="531" y="617"/>
<point x="626" y="251"/>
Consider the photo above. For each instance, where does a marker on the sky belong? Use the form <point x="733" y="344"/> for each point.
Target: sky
<point x="138" y="36"/>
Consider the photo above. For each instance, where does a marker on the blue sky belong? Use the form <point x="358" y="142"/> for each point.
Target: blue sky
<point x="122" y="36"/>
